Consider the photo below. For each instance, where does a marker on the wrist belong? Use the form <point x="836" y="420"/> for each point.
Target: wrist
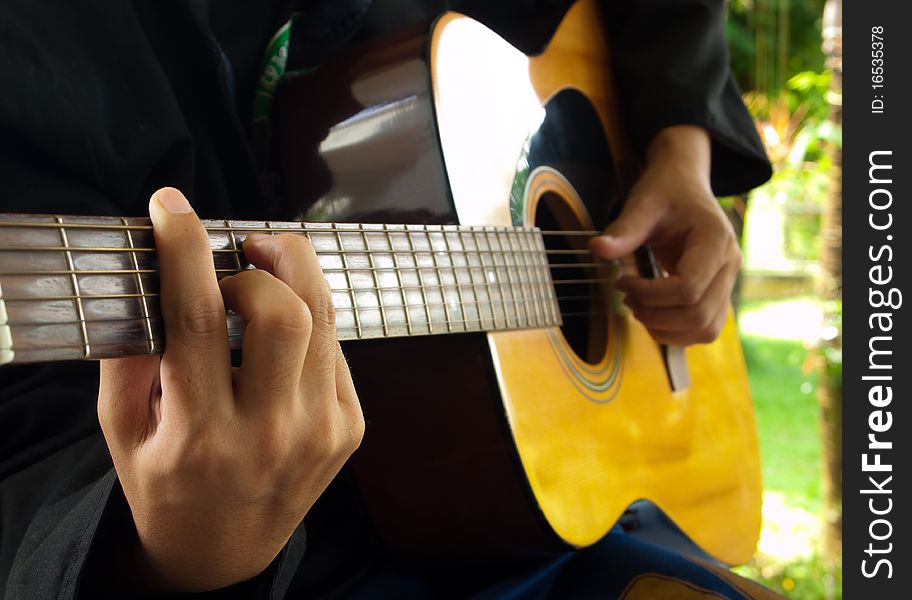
<point x="685" y="147"/>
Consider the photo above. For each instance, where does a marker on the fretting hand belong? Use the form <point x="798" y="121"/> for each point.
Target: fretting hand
<point x="672" y="208"/>
<point x="220" y="466"/>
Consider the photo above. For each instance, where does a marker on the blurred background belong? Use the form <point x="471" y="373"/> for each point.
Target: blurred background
<point x="786" y="56"/>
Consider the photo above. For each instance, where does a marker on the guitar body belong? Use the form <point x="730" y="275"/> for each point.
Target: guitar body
<point x="514" y="443"/>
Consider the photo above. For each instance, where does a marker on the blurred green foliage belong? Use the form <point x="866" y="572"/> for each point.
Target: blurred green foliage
<point x="777" y="58"/>
<point x="771" y="40"/>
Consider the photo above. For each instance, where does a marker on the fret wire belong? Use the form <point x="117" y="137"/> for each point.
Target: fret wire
<point x="521" y="267"/>
<point x="518" y="268"/>
<point x="449" y="254"/>
<point x="427" y="308"/>
<point x="370" y="260"/>
<point x="408" y="316"/>
<point x="452" y="268"/>
<point x="484" y="273"/>
<point x="509" y="260"/>
<point x="234" y="246"/>
<point x="436" y="268"/>
<point x="75" y="281"/>
<point x="530" y="268"/>
<point x="114" y="226"/>
<point x="491" y="233"/>
<point x="546" y="276"/>
<point x="528" y="241"/>
<point x="143" y="301"/>
<point x="511" y="285"/>
<point x="517" y="272"/>
<point x="540" y="264"/>
<point x="351" y="291"/>
<point x="543" y="275"/>
<point x="460" y="233"/>
<point x="468" y="268"/>
<point x="525" y="244"/>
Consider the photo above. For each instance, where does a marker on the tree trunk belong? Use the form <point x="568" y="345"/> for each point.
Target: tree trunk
<point x="829" y="394"/>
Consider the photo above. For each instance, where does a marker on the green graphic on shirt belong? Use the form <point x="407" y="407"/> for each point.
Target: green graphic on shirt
<point x="275" y="58"/>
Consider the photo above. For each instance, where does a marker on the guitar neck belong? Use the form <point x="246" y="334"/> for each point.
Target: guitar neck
<point x="87" y="287"/>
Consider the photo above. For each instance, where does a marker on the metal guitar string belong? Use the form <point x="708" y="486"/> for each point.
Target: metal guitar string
<point x="505" y="289"/>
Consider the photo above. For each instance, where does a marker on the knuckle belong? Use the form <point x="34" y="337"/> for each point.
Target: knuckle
<point x="290" y="321"/>
<point x="202" y="314"/>
<point x="709" y="333"/>
<point x="322" y="309"/>
<point x="291" y="249"/>
<point x="274" y="452"/>
<point x="702" y="316"/>
<point x="209" y="459"/>
<point x="689" y="293"/>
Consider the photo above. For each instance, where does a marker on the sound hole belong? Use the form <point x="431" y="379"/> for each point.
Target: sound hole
<point x="582" y="304"/>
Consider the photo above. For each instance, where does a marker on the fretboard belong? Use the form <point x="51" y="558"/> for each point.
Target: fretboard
<point x="87" y="287"/>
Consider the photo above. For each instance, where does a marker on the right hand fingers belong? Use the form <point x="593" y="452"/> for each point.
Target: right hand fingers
<point x="196" y="365"/>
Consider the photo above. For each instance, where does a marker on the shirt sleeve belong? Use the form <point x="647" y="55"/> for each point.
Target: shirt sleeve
<point x="66" y="523"/>
<point x="672" y="68"/>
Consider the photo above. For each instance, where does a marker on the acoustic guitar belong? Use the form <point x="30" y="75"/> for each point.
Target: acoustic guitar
<point x="513" y="406"/>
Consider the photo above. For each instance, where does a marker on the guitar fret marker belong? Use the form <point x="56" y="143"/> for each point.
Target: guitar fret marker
<point x="7" y="354"/>
<point x="449" y="254"/>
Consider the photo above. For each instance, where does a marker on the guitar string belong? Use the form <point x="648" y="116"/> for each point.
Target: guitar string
<point x="442" y="269"/>
<point x="468" y="325"/>
<point x="387" y="234"/>
<point x="236" y="336"/>
<point x="441" y="287"/>
<point x="296" y="228"/>
<point x="479" y="323"/>
<point x="482" y="318"/>
<point x="487" y="288"/>
<point x="108" y="249"/>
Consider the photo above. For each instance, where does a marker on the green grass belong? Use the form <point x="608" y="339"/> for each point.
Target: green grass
<point x="786" y="411"/>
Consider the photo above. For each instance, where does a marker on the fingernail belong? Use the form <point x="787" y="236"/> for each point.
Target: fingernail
<point x="254" y="238"/>
<point x="173" y="201"/>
